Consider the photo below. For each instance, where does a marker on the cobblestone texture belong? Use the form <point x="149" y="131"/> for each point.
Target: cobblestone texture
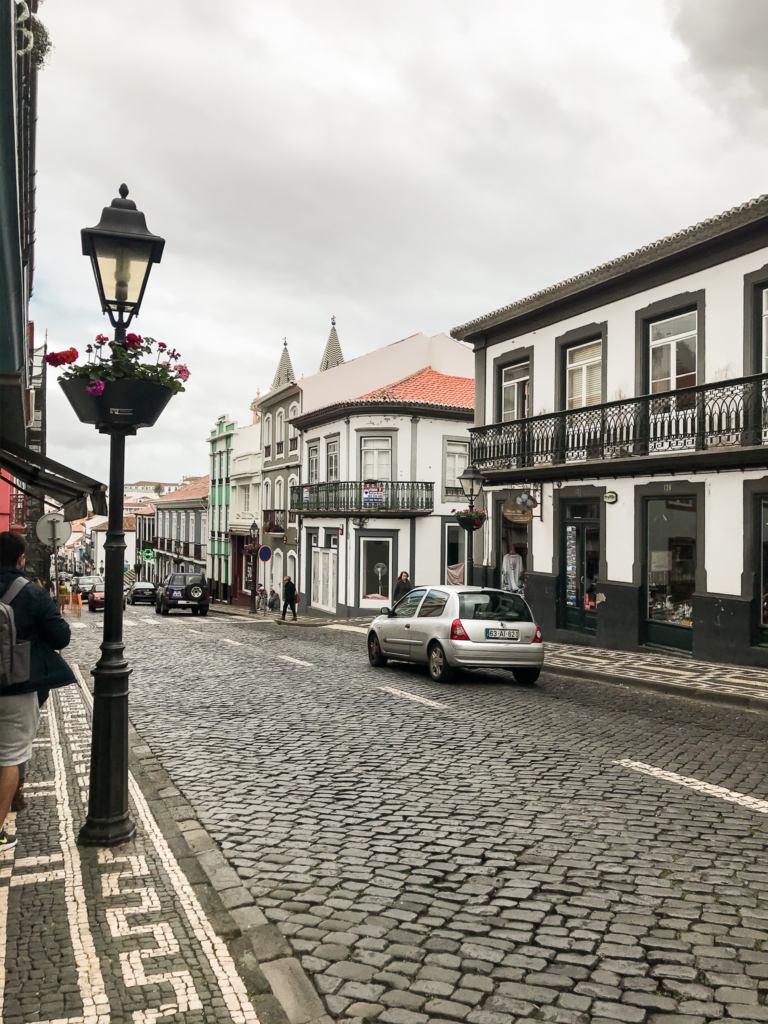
<point x="486" y="863"/>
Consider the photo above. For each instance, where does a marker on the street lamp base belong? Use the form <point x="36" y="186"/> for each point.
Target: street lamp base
<point x="107" y="831"/>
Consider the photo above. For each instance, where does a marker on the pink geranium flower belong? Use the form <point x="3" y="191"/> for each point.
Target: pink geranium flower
<point x="182" y="372"/>
<point x="95" y="387"/>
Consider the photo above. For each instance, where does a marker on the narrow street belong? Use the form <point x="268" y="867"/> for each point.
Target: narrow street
<point x="470" y="851"/>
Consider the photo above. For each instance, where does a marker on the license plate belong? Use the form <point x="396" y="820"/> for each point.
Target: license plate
<point x="502" y="634"/>
<point x="182" y="602"/>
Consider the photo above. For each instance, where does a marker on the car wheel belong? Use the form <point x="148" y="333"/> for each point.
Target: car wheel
<point x="526" y="676"/>
<point x="375" y="656"/>
<point x="203" y="611"/>
<point x="439" y="669"/>
<point x="157" y="607"/>
<point x="164" y="609"/>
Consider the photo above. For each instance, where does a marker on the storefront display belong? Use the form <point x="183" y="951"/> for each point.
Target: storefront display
<point x="516" y="515"/>
<point x="671" y="561"/>
<point x="581" y="565"/>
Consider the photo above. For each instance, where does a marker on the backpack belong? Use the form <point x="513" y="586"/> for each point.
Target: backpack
<point x="14" y="654"/>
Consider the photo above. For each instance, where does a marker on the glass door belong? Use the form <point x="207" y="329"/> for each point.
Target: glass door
<point x="671" y="571"/>
<point x="581" y="561"/>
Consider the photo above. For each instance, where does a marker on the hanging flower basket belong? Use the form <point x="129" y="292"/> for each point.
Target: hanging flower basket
<point x="470" y="519"/>
<point x="120" y="403"/>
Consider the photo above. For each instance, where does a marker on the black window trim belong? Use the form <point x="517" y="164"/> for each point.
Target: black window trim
<point x="674" y="305"/>
<point x="523" y="354"/>
<point x="754" y="284"/>
<point x="573" y="339"/>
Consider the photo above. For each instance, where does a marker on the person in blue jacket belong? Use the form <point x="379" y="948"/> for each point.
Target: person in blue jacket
<point x="38" y="620"/>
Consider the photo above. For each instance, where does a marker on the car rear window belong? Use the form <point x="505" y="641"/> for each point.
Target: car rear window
<point x="143" y="586"/>
<point x="183" y="579"/>
<point x="99" y="588"/>
<point x="494" y="604"/>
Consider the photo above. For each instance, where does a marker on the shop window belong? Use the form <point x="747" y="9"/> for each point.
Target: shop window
<point x="313" y="456"/>
<point x="671" y="560"/>
<point x="376" y="458"/>
<point x="376" y="570"/>
<point x="456" y="460"/>
<point x="673" y="352"/>
<point x="584" y="374"/>
<point x="455" y="555"/>
<point x="515" y="391"/>
<point x="332" y="458"/>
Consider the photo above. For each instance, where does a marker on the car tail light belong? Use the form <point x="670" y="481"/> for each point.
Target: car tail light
<point x="457" y="631"/>
<point x="537" y="637"/>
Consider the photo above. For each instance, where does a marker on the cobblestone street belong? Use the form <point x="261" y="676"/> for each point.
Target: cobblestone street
<point x="473" y="851"/>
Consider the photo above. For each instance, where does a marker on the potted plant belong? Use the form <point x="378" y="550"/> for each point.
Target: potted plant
<point x="118" y="386"/>
<point x="469" y="518"/>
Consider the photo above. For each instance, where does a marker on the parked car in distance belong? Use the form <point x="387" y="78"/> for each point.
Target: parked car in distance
<point x="96" y="598"/>
<point x="183" y="590"/>
<point x="84" y="583"/>
<point x="141" y="591"/>
<point x="452" y="627"/>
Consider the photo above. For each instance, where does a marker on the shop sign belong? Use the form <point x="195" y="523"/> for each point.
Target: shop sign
<point x="610" y="497"/>
<point x="373" y="495"/>
<point x="515" y="513"/>
<point x="305" y="495"/>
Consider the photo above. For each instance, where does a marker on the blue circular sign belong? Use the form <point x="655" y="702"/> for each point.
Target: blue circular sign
<point x="265" y="553"/>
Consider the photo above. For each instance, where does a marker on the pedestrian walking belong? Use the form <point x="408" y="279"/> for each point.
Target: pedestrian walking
<point x="274" y="601"/>
<point x="289" y="597"/>
<point x="402" y="587"/>
<point x="38" y="623"/>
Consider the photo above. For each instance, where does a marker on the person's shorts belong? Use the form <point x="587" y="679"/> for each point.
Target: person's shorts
<point x="19" y="718"/>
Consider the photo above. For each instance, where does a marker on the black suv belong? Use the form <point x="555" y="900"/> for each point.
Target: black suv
<point x="183" y="590"/>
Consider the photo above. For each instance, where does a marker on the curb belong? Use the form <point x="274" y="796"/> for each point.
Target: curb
<point x="736" y="700"/>
<point x="277" y="985"/>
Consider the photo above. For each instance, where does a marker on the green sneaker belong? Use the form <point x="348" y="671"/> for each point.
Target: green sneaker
<point x="6" y="842"/>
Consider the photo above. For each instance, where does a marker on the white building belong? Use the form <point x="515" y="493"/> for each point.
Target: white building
<point x="380" y="474"/>
<point x="99" y="538"/>
<point x="632" y="401"/>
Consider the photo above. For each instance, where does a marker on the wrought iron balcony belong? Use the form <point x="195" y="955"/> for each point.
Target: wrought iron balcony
<point x="720" y="424"/>
<point x="392" y="498"/>
<point x="273" y="520"/>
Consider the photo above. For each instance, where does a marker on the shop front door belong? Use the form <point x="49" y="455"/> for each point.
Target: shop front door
<point x="581" y="562"/>
<point x="324" y="574"/>
<point x="670" y="557"/>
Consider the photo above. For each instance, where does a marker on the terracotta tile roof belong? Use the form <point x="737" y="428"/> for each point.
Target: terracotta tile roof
<point x="194" y="489"/>
<point x="149" y="510"/>
<point x="427" y="386"/>
<point x="748" y="213"/>
<point x="129" y="524"/>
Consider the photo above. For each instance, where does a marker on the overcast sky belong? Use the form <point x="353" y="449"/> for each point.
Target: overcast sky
<point x="405" y="165"/>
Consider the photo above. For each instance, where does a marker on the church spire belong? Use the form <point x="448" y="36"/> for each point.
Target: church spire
<point x="285" y="374"/>
<point x="333" y="355"/>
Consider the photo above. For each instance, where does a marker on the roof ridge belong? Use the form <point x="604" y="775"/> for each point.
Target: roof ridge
<point x="616" y="262"/>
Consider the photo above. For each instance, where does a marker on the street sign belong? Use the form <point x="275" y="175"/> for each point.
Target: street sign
<point x="148" y="554"/>
<point x="52" y="531"/>
<point x="373" y="495"/>
<point x="265" y="553"/>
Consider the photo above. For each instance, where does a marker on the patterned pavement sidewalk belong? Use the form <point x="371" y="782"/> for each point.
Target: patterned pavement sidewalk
<point x="93" y="936"/>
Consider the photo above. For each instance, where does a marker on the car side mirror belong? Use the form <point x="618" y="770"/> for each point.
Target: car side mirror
<point x="385" y="611"/>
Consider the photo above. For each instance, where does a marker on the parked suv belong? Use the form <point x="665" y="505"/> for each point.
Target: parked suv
<point x="183" y="590"/>
<point x="450" y="627"/>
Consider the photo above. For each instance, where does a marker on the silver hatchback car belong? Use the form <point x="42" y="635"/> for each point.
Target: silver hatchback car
<point x="449" y="627"/>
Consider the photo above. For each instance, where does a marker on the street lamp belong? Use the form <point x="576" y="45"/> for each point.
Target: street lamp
<point x="254" y="532"/>
<point x="122" y="251"/>
<point x="472" y="485"/>
<point x="177" y="559"/>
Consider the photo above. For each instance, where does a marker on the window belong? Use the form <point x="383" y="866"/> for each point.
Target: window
<point x="433" y="605"/>
<point x="456" y="459"/>
<point x="267" y="496"/>
<point x="584" y="374"/>
<point x="313" y="452"/>
<point x="247" y="498"/>
<point x="671" y="559"/>
<point x="764" y="326"/>
<point x="183" y="528"/>
<point x="515" y="390"/>
<point x="375" y="569"/>
<point x="279" y="426"/>
<point x="493" y="604"/>
<point x="332" y="456"/>
<point x="292" y="412"/>
<point x="279" y="494"/>
<point x="174" y="526"/>
<point x="673" y="352"/>
<point x="406" y="607"/>
<point x="376" y="458"/>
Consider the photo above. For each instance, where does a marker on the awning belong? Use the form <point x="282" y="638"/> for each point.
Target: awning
<point x="46" y="478"/>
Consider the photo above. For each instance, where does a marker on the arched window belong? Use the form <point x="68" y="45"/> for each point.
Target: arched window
<point x="268" y="433"/>
<point x="279" y="426"/>
<point x="279" y="494"/>
<point x="267" y="504"/>
<point x="293" y="411"/>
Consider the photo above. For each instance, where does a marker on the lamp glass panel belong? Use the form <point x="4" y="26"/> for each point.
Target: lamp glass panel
<point x="123" y="265"/>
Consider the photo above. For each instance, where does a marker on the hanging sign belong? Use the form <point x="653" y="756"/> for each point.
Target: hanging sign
<point x="265" y="553"/>
<point x="515" y="513"/>
<point x="148" y="554"/>
<point x="373" y="495"/>
<point x="305" y="494"/>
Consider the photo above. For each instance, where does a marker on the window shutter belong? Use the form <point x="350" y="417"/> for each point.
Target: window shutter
<point x="594" y="384"/>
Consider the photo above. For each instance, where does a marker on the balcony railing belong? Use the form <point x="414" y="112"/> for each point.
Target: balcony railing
<point x="279" y="447"/>
<point x="373" y="498"/>
<point x="707" y="419"/>
<point x="273" y="520"/>
<point x="293" y="444"/>
<point x="267" y="451"/>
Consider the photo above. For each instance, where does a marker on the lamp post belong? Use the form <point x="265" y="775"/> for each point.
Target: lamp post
<point x="122" y="251"/>
<point x="254" y="532"/>
<point x="177" y="559"/>
<point x="472" y="485"/>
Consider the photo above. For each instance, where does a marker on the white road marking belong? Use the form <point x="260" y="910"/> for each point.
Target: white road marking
<point x="751" y="802"/>
<point x="296" y="661"/>
<point x="232" y="989"/>
<point x="78" y="625"/>
<point x="152" y="622"/>
<point x="351" y="629"/>
<point x="412" y="696"/>
<point x="198" y="631"/>
<point x="235" y="643"/>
